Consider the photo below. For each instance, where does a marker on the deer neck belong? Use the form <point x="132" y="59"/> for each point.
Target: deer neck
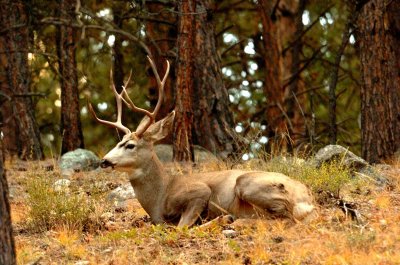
<point x="150" y="183"/>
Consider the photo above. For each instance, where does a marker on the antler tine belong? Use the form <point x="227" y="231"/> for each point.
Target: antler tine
<point x="160" y="84"/>
<point x="119" y="99"/>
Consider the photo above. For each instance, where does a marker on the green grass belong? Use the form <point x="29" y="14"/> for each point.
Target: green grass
<point x="330" y="176"/>
<point x="49" y="209"/>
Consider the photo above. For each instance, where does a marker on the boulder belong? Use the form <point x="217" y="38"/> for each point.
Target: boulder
<point x="332" y="152"/>
<point x="119" y="196"/>
<point x="165" y="153"/>
<point x="358" y="165"/>
<point x="78" y="160"/>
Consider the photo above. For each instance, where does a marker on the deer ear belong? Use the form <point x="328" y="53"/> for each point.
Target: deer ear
<point x="143" y="123"/>
<point x="160" y="129"/>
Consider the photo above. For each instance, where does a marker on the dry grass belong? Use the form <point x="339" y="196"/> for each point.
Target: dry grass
<point x="126" y="237"/>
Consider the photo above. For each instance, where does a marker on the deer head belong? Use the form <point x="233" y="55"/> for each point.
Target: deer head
<point x="136" y="148"/>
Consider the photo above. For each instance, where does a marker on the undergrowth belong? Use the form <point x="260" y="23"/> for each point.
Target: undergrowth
<point x="66" y="218"/>
<point x="330" y="176"/>
<point x="49" y="208"/>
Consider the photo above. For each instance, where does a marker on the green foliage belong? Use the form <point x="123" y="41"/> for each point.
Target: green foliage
<point x="50" y="209"/>
<point x="120" y="235"/>
<point x="330" y="176"/>
<point x="245" y="81"/>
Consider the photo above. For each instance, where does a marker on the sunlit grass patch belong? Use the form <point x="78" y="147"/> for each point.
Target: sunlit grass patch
<point x="70" y="242"/>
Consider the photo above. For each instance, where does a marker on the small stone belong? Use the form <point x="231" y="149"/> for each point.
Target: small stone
<point x="108" y="250"/>
<point x="62" y="185"/>
<point x="82" y="262"/>
<point x="383" y="222"/>
<point x="106" y="216"/>
<point x="229" y="233"/>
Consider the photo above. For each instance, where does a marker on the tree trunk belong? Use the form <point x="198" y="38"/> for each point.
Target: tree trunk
<point x="290" y="28"/>
<point x="183" y="143"/>
<point x="334" y="77"/>
<point x="118" y="58"/>
<point x="161" y="39"/>
<point x="274" y="92"/>
<point x="7" y="121"/>
<point x="71" y="129"/>
<point x="7" y="248"/>
<point x="379" y="43"/>
<point x="213" y="120"/>
<point x="16" y="45"/>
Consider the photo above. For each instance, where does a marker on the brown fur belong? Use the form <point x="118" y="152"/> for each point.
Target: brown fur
<point x="183" y="200"/>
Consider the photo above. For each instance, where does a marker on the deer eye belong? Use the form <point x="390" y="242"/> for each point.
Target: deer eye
<point x="130" y="146"/>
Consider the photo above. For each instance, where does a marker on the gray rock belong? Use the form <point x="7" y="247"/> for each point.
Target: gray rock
<point x="121" y="194"/>
<point x="331" y="152"/>
<point x="374" y="174"/>
<point x="229" y="233"/>
<point x="359" y="166"/>
<point x="164" y="153"/>
<point x="78" y="160"/>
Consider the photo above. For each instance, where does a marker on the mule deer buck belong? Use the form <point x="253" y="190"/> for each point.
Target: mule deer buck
<point x="186" y="200"/>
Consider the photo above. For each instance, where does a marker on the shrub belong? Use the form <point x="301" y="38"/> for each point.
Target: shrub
<point x="50" y="208"/>
<point x="330" y="176"/>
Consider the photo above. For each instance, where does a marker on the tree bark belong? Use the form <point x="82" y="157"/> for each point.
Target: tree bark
<point x="274" y="92"/>
<point x="213" y="120"/>
<point x="7" y="247"/>
<point x="71" y="129"/>
<point x="118" y="58"/>
<point x="183" y="143"/>
<point x="202" y="101"/>
<point x="16" y="45"/>
<point x="290" y="28"/>
<point x="161" y="39"/>
<point x="378" y="36"/>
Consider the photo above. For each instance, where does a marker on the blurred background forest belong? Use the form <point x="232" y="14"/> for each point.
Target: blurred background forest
<point x="246" y="76"/>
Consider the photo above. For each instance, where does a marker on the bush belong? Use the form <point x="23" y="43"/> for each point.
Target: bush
<point x="50" y="208"/>
<point x="330" y="176"/>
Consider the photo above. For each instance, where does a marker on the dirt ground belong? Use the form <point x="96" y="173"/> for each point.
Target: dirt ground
<point x="125" y="235"/>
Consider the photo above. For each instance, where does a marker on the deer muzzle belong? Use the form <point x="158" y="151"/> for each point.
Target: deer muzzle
<point x="106" y="163"/>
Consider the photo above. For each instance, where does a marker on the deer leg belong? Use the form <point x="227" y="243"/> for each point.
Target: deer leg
<point x="193" y="200"/>
<point x="192" y="212"/>
<point x="220" y="221"/>
<point x="268" y="199"/>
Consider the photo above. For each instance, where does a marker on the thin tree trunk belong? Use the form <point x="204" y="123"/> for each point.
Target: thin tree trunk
<point x="275" y="113"/>
<point x="16" y="46"/>
<point x="7" y="247"/>
<point x="290" y="27"/>
<point x="334" y="78"/>
<point x="378" y="36"/>
<point x="71" y="129"/>
<point x="183" y="143"/>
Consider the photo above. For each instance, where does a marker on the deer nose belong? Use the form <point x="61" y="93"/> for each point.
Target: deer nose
<point x="106" y="163"/>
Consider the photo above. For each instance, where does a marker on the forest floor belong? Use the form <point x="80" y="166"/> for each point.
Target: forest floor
<point x="80" y="226"/>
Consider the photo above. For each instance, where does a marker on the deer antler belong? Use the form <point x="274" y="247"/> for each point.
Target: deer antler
<point x="151" y="115"/>
<point x="119" y="98"/>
